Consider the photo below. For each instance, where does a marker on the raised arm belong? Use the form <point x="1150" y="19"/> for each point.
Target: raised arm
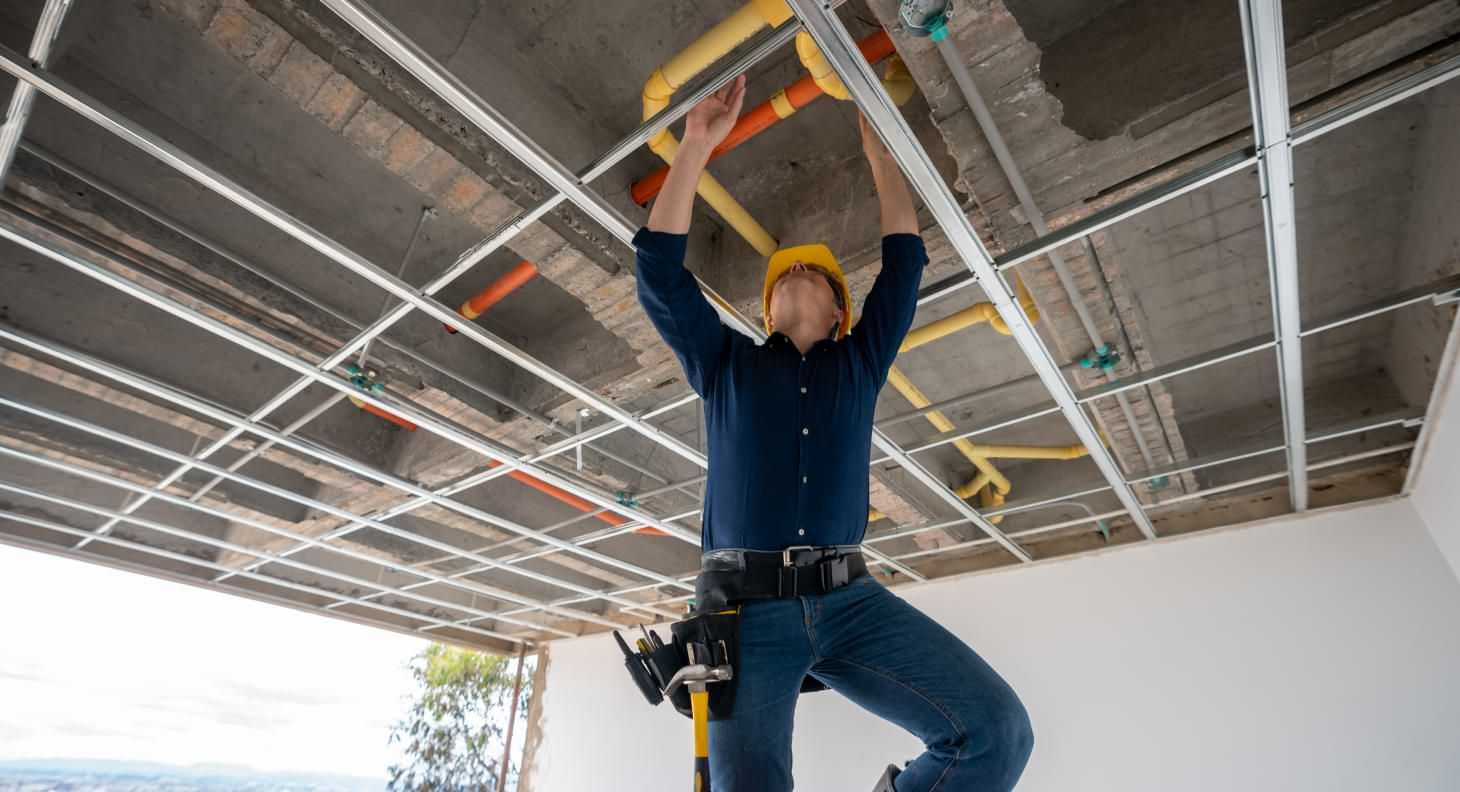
<point x="888" y="311"/>
<point x="667" y="291"/>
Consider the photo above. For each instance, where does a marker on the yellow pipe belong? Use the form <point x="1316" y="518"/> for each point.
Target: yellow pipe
<point x="952" y="323"/>
<point x="909" y="391"/>
<point x="675" y="72"/>
<point x="1030" y="452"/>
<point x="720" y="199"/>
<point x="972" y="487"/>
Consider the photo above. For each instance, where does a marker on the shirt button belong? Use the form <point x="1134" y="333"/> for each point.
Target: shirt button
<point x="803" y="358"/>
<point x="805" y="431"/>
<point x="803" y="479"/>
<point x="803" y="389"/>
<point x="801" y="532"/>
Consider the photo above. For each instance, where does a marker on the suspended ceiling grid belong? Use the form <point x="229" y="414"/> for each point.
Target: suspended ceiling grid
<point x="58" y="402"/>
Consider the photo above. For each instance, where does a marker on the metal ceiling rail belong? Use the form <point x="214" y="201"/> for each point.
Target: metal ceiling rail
<point x="625" y="527"/>
<point x="191" y="167"/>
<point x="452" y="90"/>
<point x="486" y="475"/>
<point x="154" y="525"/>
<point x="411" y="412"/>
<point x="878" y="557"/>
<point x="1366" y="105"/>
<point x="228" y="418"/>
<point x="1416" y="296"/>
<point x="294" y="497"/>
<point x="22" y="99"/>
<point x="468" y="258"/>
<point x="836" y="44"/>
<point x="1208" y="173"/>
<point x="1406" y="418"/>
<point x="1197" y="178"/>
<point x="155" y="146"/>
<point x="625" y="590"/>
<point x="1206" y="493"/>
<point x="1267" y="77"/>
<point x="1420" y="294"/>
<point x="336" y="599"/>
<point x="100" y="185"/>
<point x="518" y="558"/>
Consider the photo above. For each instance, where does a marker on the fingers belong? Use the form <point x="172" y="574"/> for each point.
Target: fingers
<point x="737" y="95"/>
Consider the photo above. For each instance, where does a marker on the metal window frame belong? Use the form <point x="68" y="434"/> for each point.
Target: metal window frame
<point x="1262" y="43"/>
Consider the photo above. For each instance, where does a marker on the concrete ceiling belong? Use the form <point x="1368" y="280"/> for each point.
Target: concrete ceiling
<point x="1097" y="100"/>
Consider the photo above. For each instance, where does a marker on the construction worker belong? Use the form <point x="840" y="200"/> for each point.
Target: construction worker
<point x="785" y="509"/>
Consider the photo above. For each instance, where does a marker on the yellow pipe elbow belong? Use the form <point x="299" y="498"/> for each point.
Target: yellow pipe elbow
<point x="819" y="67"/>
<point x="1026" y="302"/>
<point x="972" y="487"/>
<point x="990" y="499"/>
<point x="675" y="72"/>
<point x="714" y="44"/>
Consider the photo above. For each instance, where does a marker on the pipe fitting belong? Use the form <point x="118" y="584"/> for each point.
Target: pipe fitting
<point x="898" y="81"/>
<point x="819" y="67"/>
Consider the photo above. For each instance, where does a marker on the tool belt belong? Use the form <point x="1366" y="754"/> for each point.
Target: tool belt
<point x="734" y="576"/>
<point x="711" y="639"/>
<point x="711" y="635"/>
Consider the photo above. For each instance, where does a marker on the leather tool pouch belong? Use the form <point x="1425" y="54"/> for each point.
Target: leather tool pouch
<point x="715" y="637"/>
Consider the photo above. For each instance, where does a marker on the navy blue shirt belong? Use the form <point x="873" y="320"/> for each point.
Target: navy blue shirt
<point x="790" y="435"/>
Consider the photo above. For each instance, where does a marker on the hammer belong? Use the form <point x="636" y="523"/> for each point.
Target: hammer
<point x="698" y="676"/>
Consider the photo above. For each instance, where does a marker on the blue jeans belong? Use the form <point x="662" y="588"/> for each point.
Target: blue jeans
<point x="864" y="642"/>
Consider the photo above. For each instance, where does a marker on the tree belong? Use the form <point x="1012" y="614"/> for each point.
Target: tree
<point x="452" y="735"/>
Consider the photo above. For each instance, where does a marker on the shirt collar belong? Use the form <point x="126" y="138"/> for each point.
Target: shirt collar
<point x="778" y="339"/>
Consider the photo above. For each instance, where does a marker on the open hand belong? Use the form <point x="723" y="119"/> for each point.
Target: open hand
<point x="711" y="120"/>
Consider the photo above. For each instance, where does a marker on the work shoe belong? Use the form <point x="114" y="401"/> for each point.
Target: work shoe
<point x="885" y="784"/>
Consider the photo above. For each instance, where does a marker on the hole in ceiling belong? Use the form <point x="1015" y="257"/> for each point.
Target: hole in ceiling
<point x="1112" y="64"/>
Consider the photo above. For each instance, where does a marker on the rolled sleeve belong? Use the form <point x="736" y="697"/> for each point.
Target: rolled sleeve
<point x="677" y="308"/>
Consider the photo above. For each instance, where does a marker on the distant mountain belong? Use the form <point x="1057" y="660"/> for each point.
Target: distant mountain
<point x="215" y="772"/>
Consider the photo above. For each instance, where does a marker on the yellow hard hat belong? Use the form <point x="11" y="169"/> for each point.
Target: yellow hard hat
<point x="817" y="256"/>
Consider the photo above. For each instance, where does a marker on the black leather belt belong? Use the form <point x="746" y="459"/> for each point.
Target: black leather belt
<point x="783" y="574"/>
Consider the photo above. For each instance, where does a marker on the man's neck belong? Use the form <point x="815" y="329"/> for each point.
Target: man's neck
<point x="804" y="335"/>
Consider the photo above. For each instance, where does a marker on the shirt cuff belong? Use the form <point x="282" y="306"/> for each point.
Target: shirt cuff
<point x="904" y="249"/>
<point x="661" y="245"/>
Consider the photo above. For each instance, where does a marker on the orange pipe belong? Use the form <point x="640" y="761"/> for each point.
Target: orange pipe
<point x="875" y="48"/>
<point x="573" y="500"/>
<point x="379" y="413"/>
<point x="501" y="287"/>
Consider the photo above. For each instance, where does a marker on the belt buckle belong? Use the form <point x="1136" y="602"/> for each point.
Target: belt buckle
<point x="786" y="554"/>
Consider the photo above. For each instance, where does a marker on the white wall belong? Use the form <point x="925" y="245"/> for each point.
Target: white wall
<point x="1312" y="653"/>
<point x="1437" y="478"/>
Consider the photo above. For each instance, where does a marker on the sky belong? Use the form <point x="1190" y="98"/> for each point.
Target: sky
<point x="97" y="663"/>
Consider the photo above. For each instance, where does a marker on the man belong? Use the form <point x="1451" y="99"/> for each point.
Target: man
<point x="790" y="426"/>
